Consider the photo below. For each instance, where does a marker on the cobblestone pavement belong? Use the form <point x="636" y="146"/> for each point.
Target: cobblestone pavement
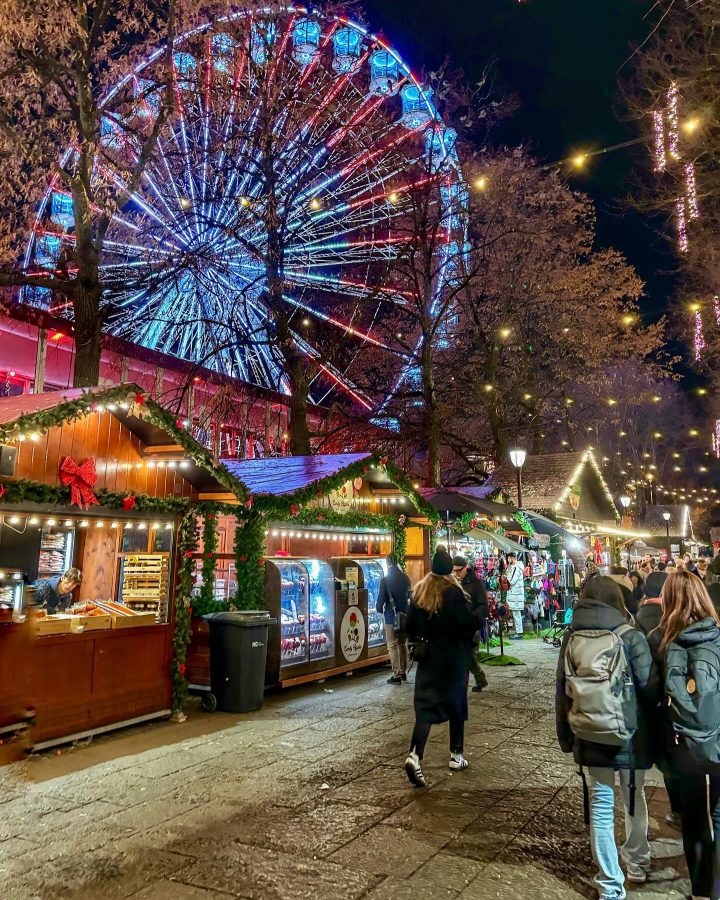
<point x="308" y="799"/>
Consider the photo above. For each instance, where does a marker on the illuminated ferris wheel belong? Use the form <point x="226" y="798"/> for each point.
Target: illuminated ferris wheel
<point x="298" y="131"/>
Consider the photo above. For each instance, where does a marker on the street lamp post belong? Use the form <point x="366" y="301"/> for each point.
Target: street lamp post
<point x="625" y="502"/>
<point x="517" y="458"/>
<point x="666" y="516"/>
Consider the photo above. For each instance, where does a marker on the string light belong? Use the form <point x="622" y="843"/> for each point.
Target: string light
<point x="673" y="97"/>
<point x="659" y="140"/>
<point x="693" y="209"/>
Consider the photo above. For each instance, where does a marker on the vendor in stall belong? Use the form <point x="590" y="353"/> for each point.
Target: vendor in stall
<point x="55" y="594"/>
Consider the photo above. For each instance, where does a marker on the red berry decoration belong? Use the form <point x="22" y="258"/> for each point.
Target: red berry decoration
<point x="188" y="554"/>
<point x="128" y="503"/>
<point x="261" y="562"/>
<point x="2" y="490"/>
<point x="140" y="398"/>
<point x="209" y="555"/>
<point x="182" y="668"/>
<point x="242" y="558"/>
<point x="294" y="509"/>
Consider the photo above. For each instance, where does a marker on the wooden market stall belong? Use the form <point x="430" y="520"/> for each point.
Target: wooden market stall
<point x="323" y="526"/>
<point x="102" y="480"/>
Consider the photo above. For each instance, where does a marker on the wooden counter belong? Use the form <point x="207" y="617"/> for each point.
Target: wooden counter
<point x="85" y="681"/>
<point x="16" y="654"/>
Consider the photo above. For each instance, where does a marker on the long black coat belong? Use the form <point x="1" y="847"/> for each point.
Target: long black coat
<point x="639" y="753"/>
<point x="442" y="674"/>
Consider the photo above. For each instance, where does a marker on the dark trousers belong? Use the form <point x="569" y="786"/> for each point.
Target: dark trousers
<point x="702" y="851"/>
<point x="421" y="733"/>
<point x="475" y="667"/>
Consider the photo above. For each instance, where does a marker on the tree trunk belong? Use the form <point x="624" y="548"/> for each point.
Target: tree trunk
<point x="88" y="331"/>
<point x="498" y="433"/>
<point x="432" y="417"/>
<point x="298" y="430"/>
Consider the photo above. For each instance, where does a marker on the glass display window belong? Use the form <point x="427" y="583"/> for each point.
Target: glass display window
<point x="373" y="571"/>
<point x="321" y="591"/>
<point x="293" y="612"/>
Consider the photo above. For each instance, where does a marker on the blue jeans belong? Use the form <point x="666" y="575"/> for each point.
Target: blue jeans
<point x="610" y="880"/>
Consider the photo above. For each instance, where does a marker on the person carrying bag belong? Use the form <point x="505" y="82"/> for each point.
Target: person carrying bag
<point x="606" y="690"/>
<point x="392" y="602"/>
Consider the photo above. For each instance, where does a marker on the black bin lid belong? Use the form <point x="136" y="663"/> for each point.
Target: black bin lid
<point x="243" y="618"/>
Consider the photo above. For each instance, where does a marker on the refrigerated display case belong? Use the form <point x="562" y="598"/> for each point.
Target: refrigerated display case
<point x="301" y="593"/>
<point x="307" y="611"/>
<point x="373" y="571"/>
<point x="11" y="594"/>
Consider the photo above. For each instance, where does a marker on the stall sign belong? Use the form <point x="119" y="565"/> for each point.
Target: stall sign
<point x="352" y="574"/>
<point x="352" y="634"/>
<point x="341" y="500"/>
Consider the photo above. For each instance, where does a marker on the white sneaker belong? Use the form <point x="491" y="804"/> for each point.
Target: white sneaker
<point x="636" y="874"/>
<point x="413" y="770"/>
<point x="458" y="761"/>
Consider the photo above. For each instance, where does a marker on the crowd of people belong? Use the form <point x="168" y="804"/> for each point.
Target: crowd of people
<point x="638" y="685"/>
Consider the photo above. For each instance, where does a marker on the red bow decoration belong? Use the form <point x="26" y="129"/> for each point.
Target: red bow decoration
<point x="2" y="490"/>
<point x="140" y="399"/>
<point x="242" y="558"/>
<point x="294" y="508"/>
<point x="249" y="502"/>
<point x="81" y="479"/>
<point x="128" y="503"/>
<point x="182" y="668"/>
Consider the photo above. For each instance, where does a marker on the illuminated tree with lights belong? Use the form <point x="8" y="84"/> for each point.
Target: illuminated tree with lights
<point x="61" y="71"/>
<point x="543" y="311"/>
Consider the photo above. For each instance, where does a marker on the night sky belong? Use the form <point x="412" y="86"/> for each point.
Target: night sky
<point x="561" y="58"/>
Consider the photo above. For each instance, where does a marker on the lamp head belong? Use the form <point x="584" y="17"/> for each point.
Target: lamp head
<point x="625" y="501"/>
<point x="666" y="516"/>
<point x="518" y="457"/>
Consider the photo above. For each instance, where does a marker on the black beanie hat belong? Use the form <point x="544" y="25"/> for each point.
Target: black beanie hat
<point x="654" y="584"/>
<point x="442" y="563"/>
<point x="459" y="562"/>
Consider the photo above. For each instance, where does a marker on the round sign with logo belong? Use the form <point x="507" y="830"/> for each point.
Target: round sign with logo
<point x="341" y="499"/>
<point x="352" y="634"/>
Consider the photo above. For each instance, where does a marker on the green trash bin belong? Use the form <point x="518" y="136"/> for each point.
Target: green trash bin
<point x="238" y="652"/>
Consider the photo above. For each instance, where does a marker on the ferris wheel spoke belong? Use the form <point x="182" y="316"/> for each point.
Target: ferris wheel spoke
<point x="346" y="328"/>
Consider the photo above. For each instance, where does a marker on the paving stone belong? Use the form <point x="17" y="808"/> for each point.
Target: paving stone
<point x="389" y="851"/>
<point x="308" y="799"/>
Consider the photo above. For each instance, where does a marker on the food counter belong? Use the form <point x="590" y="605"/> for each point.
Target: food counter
<point x="105" y="660"/>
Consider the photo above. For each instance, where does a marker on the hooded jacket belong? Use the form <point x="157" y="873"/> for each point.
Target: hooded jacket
<point x="475" y="589"/>
<point x="394" y="593"/>
<point x="592" y="615"/>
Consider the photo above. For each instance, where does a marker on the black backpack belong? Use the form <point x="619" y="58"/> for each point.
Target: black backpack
<point x="692" y="686"/>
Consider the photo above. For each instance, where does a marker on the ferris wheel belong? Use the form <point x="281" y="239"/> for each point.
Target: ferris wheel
<point x="305" y="124"/>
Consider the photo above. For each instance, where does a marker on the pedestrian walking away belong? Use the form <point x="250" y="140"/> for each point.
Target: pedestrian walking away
<point x="392" y="602"/>
<point x="648" y="620"/>
<point x="606" y="690"/>
<point x="690" y="666"/>
<point x="442" y="625"/>
<point x="475" y="589"/>
<point x="515" y="597"/>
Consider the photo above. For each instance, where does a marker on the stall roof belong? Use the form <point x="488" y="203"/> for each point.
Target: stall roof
<point x="288" y="474"/>
<point x="548" y="479"/>
<point x="480" y="534"/>
<point x="156" y="429"/>
<point x="12" y="408"/>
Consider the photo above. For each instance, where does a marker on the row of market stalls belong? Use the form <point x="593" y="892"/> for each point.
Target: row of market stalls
<point x="107" y="481"/>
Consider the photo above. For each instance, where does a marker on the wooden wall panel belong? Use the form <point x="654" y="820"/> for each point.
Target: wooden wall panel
<point x="116" y="451"/>
<point x="99" y="564"/>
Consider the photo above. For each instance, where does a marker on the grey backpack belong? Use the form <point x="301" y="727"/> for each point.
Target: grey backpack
<point x="599" y="683"/>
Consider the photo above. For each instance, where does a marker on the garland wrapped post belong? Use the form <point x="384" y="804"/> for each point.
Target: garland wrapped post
<point x="206" y="602"/>
<point x="187" y="545"/>
<point x="524" y="523"/>
<point x="250" y="562"/>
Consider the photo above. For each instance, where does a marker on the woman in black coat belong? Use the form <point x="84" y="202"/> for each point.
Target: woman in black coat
<point x="442" y="623"/>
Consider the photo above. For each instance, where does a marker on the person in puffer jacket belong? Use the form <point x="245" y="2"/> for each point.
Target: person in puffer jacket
<point x="601" y="607"/>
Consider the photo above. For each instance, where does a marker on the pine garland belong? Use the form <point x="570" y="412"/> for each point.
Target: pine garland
<point x="206" y="597"/>
<point x="250" y="562"/>
<point x="187" y="544"/>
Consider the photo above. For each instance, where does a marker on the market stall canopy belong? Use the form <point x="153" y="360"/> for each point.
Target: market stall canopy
<point x="503" y="543"/>
<point x="472" y="498"/>
<point x="679" y="524"/>
<point x="565" y="484"/>
<point x="543" y="525"/>
<point x="450" y="500"/>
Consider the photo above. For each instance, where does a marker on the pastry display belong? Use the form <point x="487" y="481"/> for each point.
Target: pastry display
<point x="307" y="603"/>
